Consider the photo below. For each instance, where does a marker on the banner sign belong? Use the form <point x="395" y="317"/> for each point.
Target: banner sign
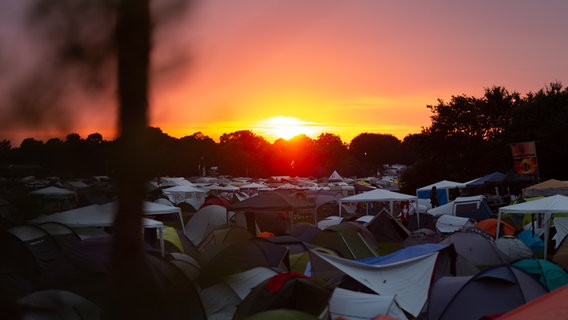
<point x="524" y="158"/>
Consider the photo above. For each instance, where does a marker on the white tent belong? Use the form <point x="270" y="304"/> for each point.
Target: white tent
<point x="97" y="215"/>
<point x="221" y="300"/>
<point x="335" y="176"/>
<point x="378" y="195"/>
<point x="52" y="191"/>
<point x="449" y="223"/>
<point x="546" y="206"/>
<point x="352" y="305"/>
<point x="205" y="221"/>
<point x="451" y="207"/>
<point x="183" y="193"/>
<point x="408" y="280"/>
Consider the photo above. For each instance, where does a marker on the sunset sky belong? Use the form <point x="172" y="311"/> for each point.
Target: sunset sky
<point x="338" y="66"/>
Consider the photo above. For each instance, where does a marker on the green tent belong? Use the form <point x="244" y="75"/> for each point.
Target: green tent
<point x="551" y="275"/>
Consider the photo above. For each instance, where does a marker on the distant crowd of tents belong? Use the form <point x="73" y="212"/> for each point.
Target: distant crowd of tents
<point x="298" y="249"/>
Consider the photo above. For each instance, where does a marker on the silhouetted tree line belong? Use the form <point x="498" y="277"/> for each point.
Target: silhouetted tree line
<point x="469" y="137"/>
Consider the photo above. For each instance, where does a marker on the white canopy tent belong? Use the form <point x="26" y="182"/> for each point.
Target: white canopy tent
<point x="547" y="206"/>
<point x="378" y="195"/>
<point x="103" y="216"/>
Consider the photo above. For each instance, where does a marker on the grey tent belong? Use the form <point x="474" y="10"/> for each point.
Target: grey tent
<point x="475" y="251"/>
<point x="493" y="291"/>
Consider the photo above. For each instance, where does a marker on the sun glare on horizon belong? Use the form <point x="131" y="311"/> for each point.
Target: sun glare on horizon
<point x="286" y="127"/>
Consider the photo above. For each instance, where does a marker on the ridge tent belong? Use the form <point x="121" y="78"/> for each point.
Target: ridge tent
<point x="490" y="292"/>
<point x="387" y="231"/>
<point x="335" y="176"/>
<point x="350" y="241"/>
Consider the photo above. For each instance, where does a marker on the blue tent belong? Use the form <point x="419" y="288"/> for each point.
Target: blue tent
<point x="480" y="182"/>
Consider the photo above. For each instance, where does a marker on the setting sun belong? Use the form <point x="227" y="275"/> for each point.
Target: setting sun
<point x="286" y="127"/>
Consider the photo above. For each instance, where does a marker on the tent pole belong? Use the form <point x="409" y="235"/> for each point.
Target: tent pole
<point x="416" y="213"/>
<point x="547" y="218"/>
<point x="497" y="230"/>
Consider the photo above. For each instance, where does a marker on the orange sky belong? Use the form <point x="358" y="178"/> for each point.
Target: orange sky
<point x="343" y="67"/>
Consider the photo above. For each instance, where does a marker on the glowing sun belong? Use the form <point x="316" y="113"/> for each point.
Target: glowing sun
<point x="286" y="127"/>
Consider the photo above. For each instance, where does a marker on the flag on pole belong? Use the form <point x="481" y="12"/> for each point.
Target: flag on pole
<point x="524" y="158"/>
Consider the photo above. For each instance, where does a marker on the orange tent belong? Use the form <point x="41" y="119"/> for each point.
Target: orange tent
<point x="490" y="226"/>
<point x="551" y="306"/>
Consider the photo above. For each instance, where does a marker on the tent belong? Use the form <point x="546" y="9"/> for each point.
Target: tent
<point x="204" y="221"/>
<point x="27" y="250"/>
<point x="550" y="306"/>
<point x="546" y="205"/>
<point x="353" y="305"/>
<point x="479" y="185"/>
<point x="474" y="207"/>
<point x="350" y="239"/>
<point x="286" y="290"/>
<point x="335" y="176"/>
<point x="443" y="188"/>
<point x="271" y="202"/>
<point x="449" y="224"/>
<point x="551" y="275"/>
<point x="221" y="300"/>
<point x="514" y="248"/>
<point x="421" y="236"/>
<point x="490" y="292"/>
<point x="546" y="188"/>
<point x="243" y="255"/>
<point x="378" y="195"/>
<point x="490" y="226"/>
<point x="57" y="304"/>
<point x="103" y="216"/>
<point x="85" y="270"/>
<point x="387" y="230"/>
<point x="475" y="251"/>
<point x="52" y="199"/>
<point x="406" y="275"/>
